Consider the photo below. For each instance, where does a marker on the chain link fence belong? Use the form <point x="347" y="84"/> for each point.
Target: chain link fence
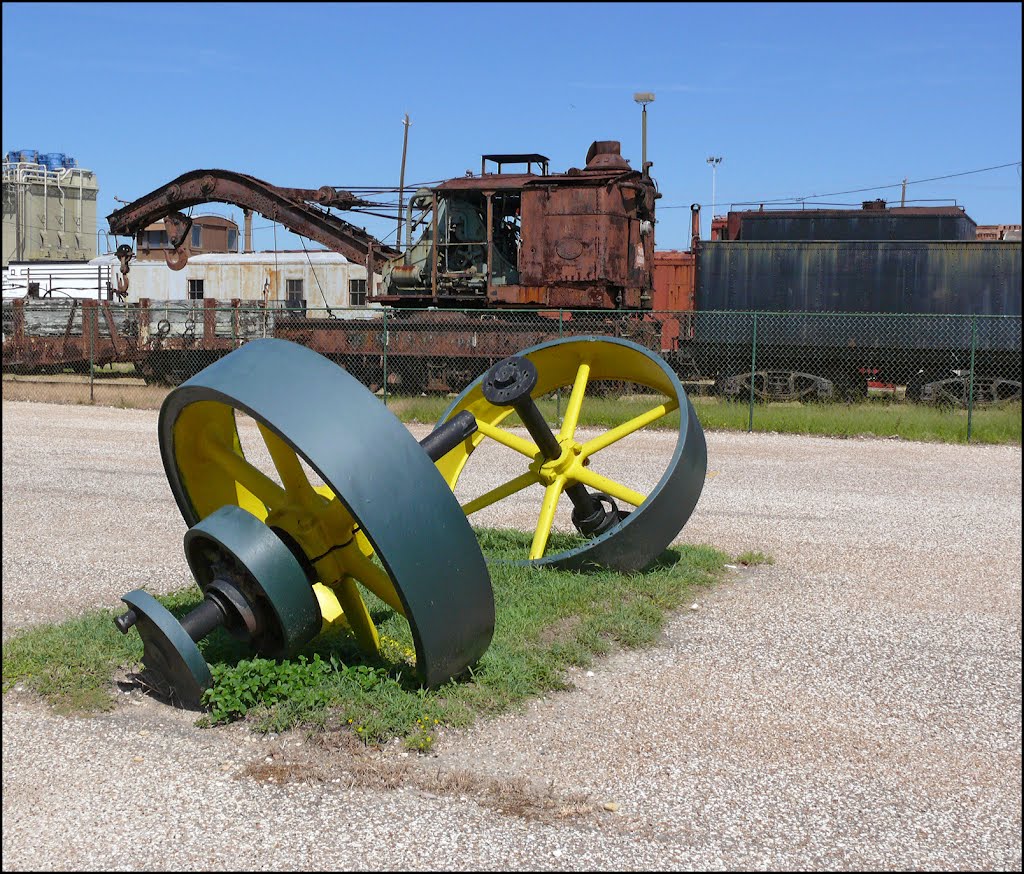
<point x="88" y="351"/>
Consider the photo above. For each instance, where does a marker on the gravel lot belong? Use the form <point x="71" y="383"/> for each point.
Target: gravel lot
<point x="856" y="705"/>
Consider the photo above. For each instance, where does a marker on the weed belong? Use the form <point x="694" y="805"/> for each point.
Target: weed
<point x="252" y="683"/>
<point x="752" y="559"/>
<point x="874" y="417"/>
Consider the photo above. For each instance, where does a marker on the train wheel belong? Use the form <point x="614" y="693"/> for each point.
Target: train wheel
<point x="640" y="535"/>
<point x="380" y="516"/>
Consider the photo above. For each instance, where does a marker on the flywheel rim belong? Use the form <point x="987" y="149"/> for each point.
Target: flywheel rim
<point x="377" y="472"/>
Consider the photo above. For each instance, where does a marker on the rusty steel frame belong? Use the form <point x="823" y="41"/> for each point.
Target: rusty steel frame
<point x="68" y="349"/>
<point x="301" y="210"/>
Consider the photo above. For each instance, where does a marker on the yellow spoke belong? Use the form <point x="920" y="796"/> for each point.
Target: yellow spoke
<point x="500" y="435"/>
<point x="613" y="435"/>
<point x="547" y="517"/>
<point x="575" y="404"/>
<point x="586" y="476"/>
<point x="373" y="577"/>
<point x="502" y="491"/>
<point x="290" y="470"/>
<point x="254" y="480"/>
<point x="356" y="614"/>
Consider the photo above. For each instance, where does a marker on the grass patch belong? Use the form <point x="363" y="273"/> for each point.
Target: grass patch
<point x="875" y="417"/>
<point x="753" y="559"/>
<point x="546" y="621"/>
<point x="72" y="664"/>
<point x="879" y="417"/>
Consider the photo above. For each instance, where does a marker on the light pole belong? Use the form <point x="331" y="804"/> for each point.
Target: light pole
<point x="644" y="97"/>
<point x="714" y="162"/>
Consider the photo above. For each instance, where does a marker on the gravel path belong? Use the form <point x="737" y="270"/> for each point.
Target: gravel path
<point x="855" y="705"/>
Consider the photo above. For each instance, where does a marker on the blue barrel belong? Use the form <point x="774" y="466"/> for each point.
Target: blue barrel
<point x="68" y="163"/>
<point x="53" y="160"/>
<point x="29" y="156"/>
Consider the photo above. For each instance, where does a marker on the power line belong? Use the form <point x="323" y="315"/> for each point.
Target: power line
<point x="860" y="190"/>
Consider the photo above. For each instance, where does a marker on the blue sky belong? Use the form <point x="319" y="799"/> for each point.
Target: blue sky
<point x="798" y="99"/>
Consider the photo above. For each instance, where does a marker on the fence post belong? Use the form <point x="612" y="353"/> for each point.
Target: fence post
<point x="753" y="368"/>
<point x="970" y="387"/>
<point x="93" y="329"/>
<point x="384" y="357"/>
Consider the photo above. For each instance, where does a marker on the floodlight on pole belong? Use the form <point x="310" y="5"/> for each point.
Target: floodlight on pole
<point x="644" y="97"/>
<point x="714" y="162"/>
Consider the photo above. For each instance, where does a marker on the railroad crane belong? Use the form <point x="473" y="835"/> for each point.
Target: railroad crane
<point x="579" y="239"/>
<point x="487" y="245"/>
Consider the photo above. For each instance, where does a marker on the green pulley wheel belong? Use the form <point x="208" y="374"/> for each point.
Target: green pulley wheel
<point x="272" y="604"/>
<point x="618" y="538"/>
<point x="252" y="585"/>
<point x="280" y="431"/>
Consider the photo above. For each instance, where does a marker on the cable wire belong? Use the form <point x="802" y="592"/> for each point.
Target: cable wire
<point x="327" y="306"/>
<point x="860" y="190"/>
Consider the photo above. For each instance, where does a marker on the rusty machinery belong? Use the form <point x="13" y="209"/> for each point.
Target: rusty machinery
<point x="300" y="489"/>
<point x="580" y="239"/>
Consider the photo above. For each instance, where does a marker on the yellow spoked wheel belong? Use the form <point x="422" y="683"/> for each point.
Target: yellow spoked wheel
<point x="639" y="530"/>
<point x="339" y="479"/>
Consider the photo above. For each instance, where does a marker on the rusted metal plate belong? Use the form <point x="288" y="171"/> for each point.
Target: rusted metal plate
<point x="584" y="244"/>
<point x="674" y="291"/>
<point x="67" y="334"/>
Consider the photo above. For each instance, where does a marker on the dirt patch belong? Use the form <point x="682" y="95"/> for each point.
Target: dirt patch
<point x="337" y="757"/>
<point x="563" y="629"/>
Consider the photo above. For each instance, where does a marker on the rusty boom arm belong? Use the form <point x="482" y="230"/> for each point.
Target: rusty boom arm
<point x="300" y="210"/>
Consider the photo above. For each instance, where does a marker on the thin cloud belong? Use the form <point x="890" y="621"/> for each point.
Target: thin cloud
<point x="689" y="89"/>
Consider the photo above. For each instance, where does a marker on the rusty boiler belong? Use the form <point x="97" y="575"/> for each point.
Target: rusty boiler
<point x="580" y="239"/>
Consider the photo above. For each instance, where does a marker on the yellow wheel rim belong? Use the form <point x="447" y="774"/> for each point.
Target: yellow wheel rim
<point x="575" y="363"/>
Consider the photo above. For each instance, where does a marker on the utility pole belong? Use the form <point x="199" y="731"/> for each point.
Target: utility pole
<point x="903" y="196"/>
<point x="714" y="162"/>
<point x="644" y="97"/>
<point x="401" y="181"/>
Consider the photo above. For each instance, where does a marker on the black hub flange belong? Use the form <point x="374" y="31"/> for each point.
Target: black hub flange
<point x="510" y="381"/>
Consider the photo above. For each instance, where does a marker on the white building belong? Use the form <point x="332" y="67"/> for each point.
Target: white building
<point x="298" y="280"/>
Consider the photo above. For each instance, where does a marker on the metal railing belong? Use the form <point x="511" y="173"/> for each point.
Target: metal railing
<point x="131" y="354"/>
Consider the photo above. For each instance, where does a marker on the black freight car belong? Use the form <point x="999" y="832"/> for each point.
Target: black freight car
<point x="824" y="324"/>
